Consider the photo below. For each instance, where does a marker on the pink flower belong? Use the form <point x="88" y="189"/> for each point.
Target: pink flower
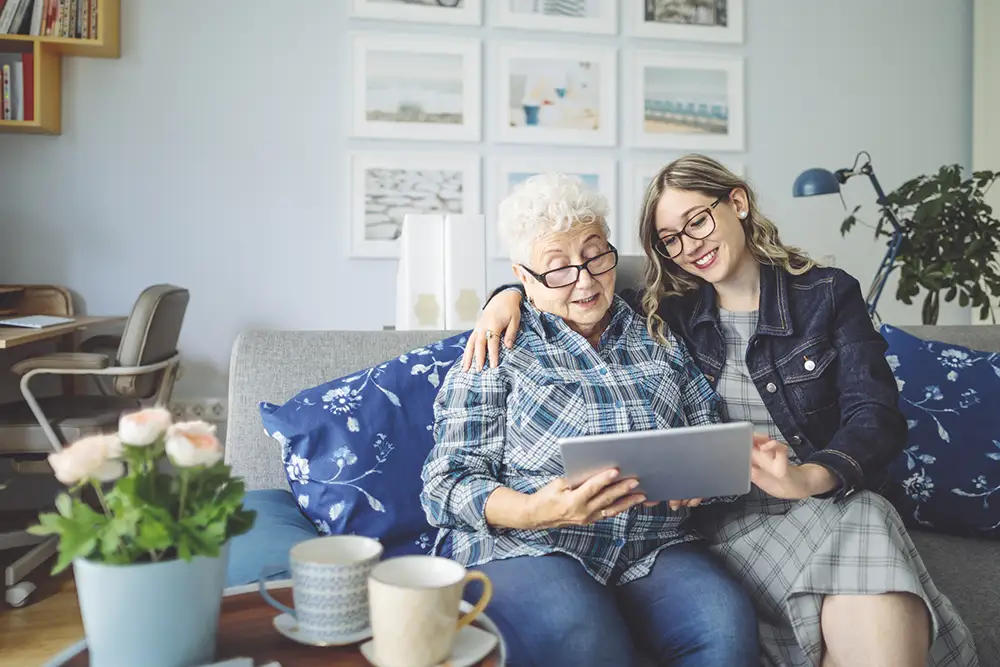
<point x="192" y="444"/>
<point x="143" y="428"/>
<point x="93" y="458"/>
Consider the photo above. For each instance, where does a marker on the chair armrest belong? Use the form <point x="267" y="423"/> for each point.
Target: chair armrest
<point x="103" y="342"/>
<point x="163" y="394"/>
<point x="63" y="360"/>
<point x="104" y="370"/>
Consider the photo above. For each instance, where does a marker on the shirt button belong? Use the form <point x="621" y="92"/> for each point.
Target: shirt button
<point x="619" y="542"/>
<point x="810" y="365"/>
<point x="604" y="371"/>
<point x="771" y="388"/>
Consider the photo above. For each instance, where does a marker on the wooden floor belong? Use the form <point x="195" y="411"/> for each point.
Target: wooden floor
<point x="33" y="634"/>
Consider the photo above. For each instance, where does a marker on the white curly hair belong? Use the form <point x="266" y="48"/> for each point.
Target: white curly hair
<point x="543" y="204"/>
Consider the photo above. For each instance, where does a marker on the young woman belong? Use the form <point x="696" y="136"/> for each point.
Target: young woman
<point x="789" y="346"/>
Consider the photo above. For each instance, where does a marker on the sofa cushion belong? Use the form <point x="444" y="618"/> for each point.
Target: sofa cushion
<point x="263" y="550"/>
<point x="967" y="571"/>
<point x="948" y="477"/>
<point x="353" y="447"/>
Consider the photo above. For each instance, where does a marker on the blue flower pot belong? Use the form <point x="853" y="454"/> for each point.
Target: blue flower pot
<point x="151" y="614"/>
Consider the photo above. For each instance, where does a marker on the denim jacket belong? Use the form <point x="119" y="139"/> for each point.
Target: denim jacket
<point x="819" y="365"/>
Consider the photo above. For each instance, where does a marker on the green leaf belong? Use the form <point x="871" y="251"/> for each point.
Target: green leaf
<point x="64" y="505"/>
<point x="849" y="222"/>
<point x="153" y="535"/>
<point x="240" y="523"/>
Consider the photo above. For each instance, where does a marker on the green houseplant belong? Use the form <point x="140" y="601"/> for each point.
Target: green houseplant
<point x="150" y="561"/>
<point x="950" y="240"/>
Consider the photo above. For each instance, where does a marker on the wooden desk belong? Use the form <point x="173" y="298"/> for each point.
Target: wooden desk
<point x="14" y="336"/>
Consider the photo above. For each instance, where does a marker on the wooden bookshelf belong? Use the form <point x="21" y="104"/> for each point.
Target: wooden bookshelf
<point x="49" y="52"/>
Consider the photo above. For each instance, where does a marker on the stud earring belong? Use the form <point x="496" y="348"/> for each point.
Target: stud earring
<point x="743" y="215"/>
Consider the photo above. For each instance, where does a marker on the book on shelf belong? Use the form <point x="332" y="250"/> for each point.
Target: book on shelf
<point x="17" y="80"/>
<point x="73" y="19"/>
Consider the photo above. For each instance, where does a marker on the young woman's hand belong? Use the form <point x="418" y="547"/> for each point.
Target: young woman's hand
<point x="601" y="497"/>
<point x="501" y="316"/>
<point x="772" y="472"/>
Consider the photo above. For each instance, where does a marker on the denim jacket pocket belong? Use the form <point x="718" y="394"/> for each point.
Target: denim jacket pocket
<point x="810" y="375"/>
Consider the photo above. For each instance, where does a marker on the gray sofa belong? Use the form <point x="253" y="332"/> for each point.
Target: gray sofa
<point x="275" y="365"/>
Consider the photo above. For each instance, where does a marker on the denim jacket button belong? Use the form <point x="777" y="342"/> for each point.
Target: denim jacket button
<point x="810" y="365"/>
<point x="795" y="440"/>
<point x="771" y="388"/>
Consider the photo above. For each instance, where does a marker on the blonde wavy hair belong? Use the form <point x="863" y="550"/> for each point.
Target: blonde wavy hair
<point x="698" y="173"/>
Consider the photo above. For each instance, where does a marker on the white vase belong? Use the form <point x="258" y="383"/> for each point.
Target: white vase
<point x="151" y="614"/>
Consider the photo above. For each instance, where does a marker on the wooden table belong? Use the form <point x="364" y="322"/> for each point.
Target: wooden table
<point x="14" y="336"/>
<point x="246" y="630"/>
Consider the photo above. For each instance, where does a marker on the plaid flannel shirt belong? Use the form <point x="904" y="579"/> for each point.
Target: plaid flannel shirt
<point x="499" y="427"/>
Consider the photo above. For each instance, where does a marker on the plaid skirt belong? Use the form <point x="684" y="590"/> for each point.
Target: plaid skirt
<point x="790" y="554"/>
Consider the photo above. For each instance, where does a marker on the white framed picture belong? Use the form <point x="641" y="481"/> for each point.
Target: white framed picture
<point x="386" y="185"/>
<point x="581" y="16"/>
<point x="688" y="20"/>
<point x="687" y="102"/>
<point x="555" y="94"/>
<point x="507" y="172"/>
<point x="456" y="12"/>
<point x="416" y="87"/>
<point x="636" y="176"/>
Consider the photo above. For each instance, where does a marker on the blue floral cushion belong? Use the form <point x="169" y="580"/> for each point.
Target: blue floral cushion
<point x="948" y="479"/>
<point x="353" y="448"/>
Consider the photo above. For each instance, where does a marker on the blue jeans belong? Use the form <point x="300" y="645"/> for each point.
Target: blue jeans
<point x="687" y="612"/>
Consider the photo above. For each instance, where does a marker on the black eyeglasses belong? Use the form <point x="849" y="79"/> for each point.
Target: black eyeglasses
<point x="568" y="275"/>
<point x="700" y="226"/>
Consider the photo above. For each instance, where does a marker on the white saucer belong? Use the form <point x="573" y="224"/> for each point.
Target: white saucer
<point x="472" y="644"/>
<point x="289" y="627"/>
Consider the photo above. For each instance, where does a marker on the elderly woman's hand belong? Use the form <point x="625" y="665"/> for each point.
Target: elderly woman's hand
<point x="557" y="504"/>
<point x="502" y="315"/>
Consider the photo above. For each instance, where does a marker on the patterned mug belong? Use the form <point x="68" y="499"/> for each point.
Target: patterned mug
<point x="329" y="586"/>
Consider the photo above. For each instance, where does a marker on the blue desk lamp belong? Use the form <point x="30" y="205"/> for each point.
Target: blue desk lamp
<point x="819" y="181"/>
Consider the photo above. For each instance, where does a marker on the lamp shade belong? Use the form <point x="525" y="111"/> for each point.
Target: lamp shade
<point x="815" y="181"/>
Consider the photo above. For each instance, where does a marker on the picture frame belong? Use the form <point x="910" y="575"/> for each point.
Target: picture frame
<point x="600" y="17"/>
<point x="687" y="20"/>
<point x="416" y="87"/>
<point x="386" y="185"/>
<point x="506" y="172"/>
<point x="685" y="101"/>
<point x="635" y="177"/>
<point x="453" y="12"/>
<point x="563" y="94"/>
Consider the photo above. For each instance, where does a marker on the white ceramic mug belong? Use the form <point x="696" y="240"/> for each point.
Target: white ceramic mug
<point x="329" y="586"/>
<point x="415" y="608"/>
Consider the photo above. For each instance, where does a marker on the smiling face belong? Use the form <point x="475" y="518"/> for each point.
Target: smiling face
<point x="584" y="304"/>
<point x="721" y="251"/>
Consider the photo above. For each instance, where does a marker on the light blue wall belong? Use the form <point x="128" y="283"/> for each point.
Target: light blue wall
<point x="213" y="153"/>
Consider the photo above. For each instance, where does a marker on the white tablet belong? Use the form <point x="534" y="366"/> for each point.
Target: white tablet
<point x="670" y="464"/>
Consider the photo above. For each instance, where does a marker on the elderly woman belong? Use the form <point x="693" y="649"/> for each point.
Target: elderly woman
<point x="591" y="575"/>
